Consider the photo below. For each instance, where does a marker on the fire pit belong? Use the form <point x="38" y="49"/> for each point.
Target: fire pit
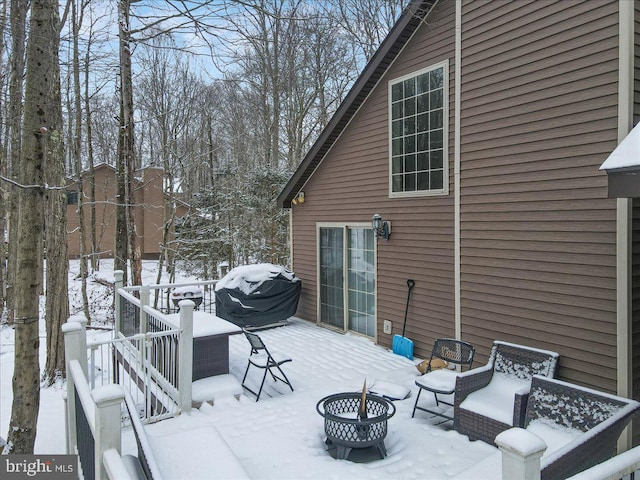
<point x="345" y="430"/>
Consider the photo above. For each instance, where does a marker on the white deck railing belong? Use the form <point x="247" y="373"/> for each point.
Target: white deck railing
<point x="93" y="415"/>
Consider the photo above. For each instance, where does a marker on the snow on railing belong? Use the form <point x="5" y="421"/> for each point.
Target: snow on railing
<point x="165" y="297"/>
<point x="521" y="453"/>
<point x="620" y="466"/>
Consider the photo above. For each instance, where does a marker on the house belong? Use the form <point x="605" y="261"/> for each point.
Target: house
<point x="477" y="131"/>
<point x="148" y="211"/>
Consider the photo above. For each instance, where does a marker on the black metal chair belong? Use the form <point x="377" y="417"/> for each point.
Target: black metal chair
<point x="443" y="381"/>
<point x="261" y="357"/>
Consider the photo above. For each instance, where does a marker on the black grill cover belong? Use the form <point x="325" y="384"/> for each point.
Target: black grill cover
<point x="260" y="302"/>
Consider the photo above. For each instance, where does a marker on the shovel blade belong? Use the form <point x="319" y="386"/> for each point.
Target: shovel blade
<point x="403" y="346"/>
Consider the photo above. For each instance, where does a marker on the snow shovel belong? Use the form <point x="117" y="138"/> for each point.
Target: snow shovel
<point x="402" y="345"/>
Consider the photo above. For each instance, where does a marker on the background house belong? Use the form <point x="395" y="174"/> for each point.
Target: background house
<point x="149" y="211"/>
<point x="478" y="130"/>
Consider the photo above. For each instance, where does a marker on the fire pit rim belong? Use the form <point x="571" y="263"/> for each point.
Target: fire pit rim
<point x="357" y="395"/>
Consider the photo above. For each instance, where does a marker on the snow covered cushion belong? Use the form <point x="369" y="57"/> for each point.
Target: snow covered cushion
<point x="443" y="380"/>
<point x="497" y="399"/>
<point x="211" y="388"/>
<point x="389" y="390"/>
<point x="554" y="435"/>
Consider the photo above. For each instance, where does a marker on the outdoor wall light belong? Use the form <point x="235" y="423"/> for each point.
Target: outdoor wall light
<point x="298" y="198"/>
<point x="381" y="228"/>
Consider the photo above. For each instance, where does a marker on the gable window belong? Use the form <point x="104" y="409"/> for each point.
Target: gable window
<point x="418" y="133"/>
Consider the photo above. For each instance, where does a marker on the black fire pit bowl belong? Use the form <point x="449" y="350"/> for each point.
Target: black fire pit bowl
<point x="345" y="431"/>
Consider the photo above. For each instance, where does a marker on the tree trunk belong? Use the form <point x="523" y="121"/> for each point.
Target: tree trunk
<point x="93" y="242"/>
<point x="125" y="142"/>
<point x="3" y="168"/>
<point x="57" y="284"/>
<point x="39" y="129"/>
<point x="77" y="158"/>
<point x="18" y="40"/>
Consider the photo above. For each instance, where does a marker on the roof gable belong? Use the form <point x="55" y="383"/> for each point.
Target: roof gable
<point x="392" y="45"/>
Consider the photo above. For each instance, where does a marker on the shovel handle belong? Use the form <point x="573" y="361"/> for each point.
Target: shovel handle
<point x="410" y="284"/>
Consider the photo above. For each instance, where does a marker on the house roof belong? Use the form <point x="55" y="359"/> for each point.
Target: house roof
<point x="392" y="45"/>
<point x="623" y="166"/>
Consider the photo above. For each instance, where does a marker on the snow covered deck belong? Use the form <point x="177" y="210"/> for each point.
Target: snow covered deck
<point x="282" y="436"/>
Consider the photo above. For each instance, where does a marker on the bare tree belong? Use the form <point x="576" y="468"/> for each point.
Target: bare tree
<point x="366" y="21"/>
<point x="41" y="134"/>
<point x="76" y="152"/>
<point x="57" y="288"/>
<point x="173" y="17"/>
<point x="125" y="223"/>
<point x="168" y="100"/>
<point x="18" y="40"/>
<point x="4" y="150"/>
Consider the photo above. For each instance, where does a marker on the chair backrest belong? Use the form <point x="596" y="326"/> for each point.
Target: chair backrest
<point x="573" y="406"/>
<point x="453" y="351"/>
<point x="522" y="362"/>
<point x="255" y="341"/>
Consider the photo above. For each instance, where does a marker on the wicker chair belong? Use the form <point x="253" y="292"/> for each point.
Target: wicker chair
<point x="491" y="399"/>
<point x="579" y="410"/>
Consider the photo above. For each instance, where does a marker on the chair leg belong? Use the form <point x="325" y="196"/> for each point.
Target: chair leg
<point x="264" y="377"/>
<point x="286" y="379"/>
<point x="245" y="372"/>
<point x="415" y="405"/>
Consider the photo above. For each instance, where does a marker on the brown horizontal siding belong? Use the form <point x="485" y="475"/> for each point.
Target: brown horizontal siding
<point x="352" y="184"/>
<point x="539" y="115"/>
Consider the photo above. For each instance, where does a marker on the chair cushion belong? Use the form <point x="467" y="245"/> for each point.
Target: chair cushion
<point x="440" y="381"/>
<point x="554" y="435"/>
<point x="497" y="399"/>
<point x="260" y="359"/>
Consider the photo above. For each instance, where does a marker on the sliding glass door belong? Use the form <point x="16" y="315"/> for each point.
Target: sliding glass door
<point x="347" y="278"/>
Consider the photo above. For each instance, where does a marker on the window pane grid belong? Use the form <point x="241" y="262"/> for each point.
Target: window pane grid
<point x="418" y="132"/>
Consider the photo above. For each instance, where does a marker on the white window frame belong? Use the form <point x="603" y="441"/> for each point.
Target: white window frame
<point x="445" y="133"/>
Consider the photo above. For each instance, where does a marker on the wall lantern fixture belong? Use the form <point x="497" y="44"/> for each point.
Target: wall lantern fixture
<point x="381" y="228"/>
<point x="299" y="198"/>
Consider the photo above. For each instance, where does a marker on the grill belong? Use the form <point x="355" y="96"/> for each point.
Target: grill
<point x="345" y="431"/>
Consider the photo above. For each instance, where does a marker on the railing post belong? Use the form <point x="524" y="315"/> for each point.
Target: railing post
<point x="185" y="355"/>
<point x="82" y="339"/>
<point x="119" y="280"/>
<point x="108" y="399"/>
<point x="73" y="333"/>
<point x="144" y="316"/>
<point x="521" y="453"/>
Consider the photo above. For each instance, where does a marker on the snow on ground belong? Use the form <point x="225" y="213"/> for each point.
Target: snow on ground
<point x="282" y="435"/>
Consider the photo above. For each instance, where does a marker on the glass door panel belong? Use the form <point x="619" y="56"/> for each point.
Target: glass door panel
<point x="361" y="281"/>
<point x="332" y="276"/>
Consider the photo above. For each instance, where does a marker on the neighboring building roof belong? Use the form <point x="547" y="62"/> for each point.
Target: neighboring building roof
<point x="392" y="45"/>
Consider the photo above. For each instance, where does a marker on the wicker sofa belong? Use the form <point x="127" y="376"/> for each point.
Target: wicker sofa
<point x="592" y="422"/>
<point x="580" y="427"/>
<point x="493" y="398"/>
